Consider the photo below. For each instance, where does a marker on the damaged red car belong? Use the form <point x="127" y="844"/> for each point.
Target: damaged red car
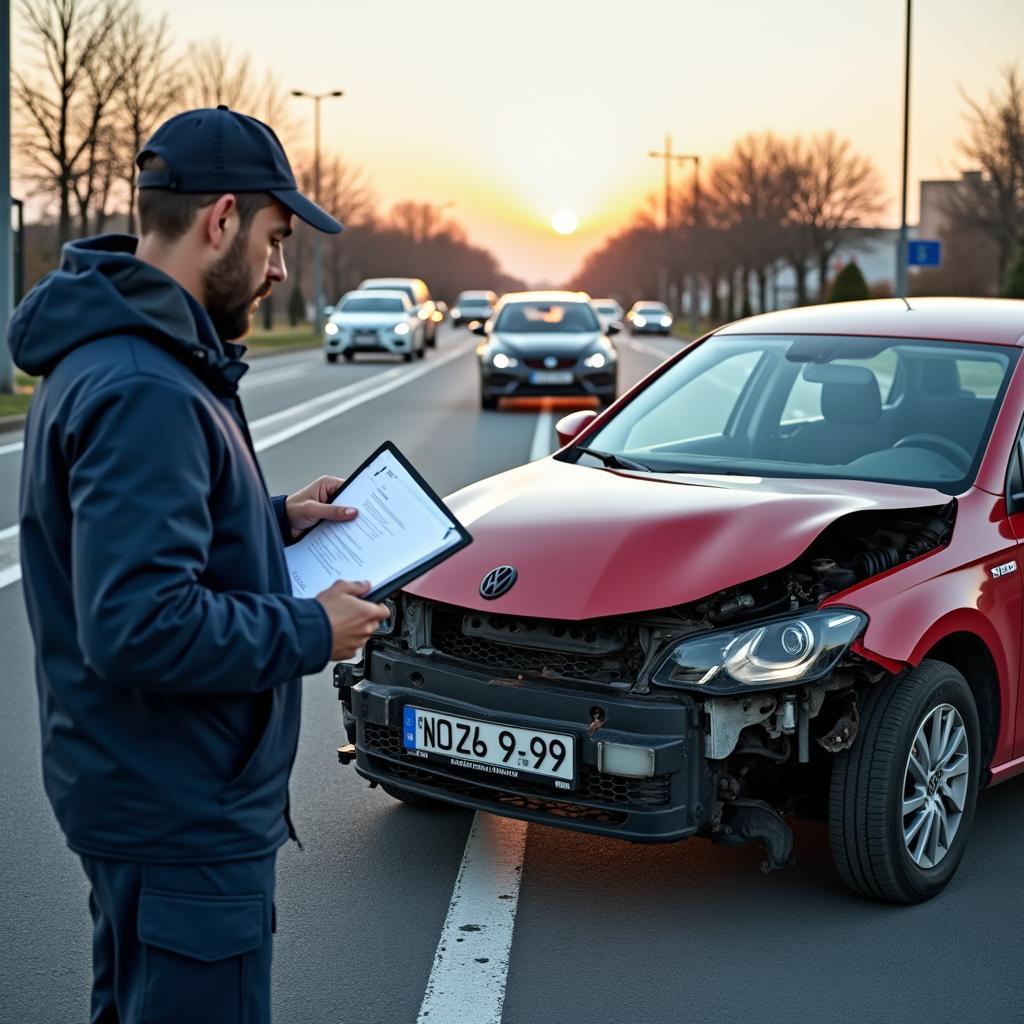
<point x="779" y="576"/>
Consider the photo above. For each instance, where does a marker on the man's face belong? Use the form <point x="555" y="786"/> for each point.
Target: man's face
<point x="253" y="263"/>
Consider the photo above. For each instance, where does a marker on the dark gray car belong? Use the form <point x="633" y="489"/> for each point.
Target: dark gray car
<point x="546" y="343"/>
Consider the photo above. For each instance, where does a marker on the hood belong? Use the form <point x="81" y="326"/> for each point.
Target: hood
<point x="556" y="343"/>
<point x="593" y="542"/>
<point x="102" y="290"/>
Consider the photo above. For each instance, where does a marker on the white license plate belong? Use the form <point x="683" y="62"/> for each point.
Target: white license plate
<point x="500" y="750"/>
<point x="552" y="377"/>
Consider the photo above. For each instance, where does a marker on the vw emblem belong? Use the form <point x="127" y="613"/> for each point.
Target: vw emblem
<point x="550" y="362"/>
<point x="498" y="581"/>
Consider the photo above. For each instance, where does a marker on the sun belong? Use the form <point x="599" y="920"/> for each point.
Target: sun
<point x="564" y="221"/>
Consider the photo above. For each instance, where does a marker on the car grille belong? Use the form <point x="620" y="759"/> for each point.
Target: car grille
<point x="541" y="364"/>
<point x="601" y="652"/>
<point x="592" y="784"/>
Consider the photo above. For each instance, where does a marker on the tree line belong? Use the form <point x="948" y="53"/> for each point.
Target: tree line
<point x="771" y="203"/>
<point x="94" y="80"/>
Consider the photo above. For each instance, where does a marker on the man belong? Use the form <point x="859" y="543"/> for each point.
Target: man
<point x="169" y="647"/>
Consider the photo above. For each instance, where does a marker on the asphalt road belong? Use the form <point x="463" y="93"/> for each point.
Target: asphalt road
<point x="603" y="930"/>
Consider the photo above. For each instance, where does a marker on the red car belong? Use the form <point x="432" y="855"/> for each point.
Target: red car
<point x="779" y="576"/>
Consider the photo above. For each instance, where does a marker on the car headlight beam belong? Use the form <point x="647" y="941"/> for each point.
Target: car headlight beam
<point x="596" y="360"/>
<point x="782" y="652"/>
<point x="503" y="361"/>
<point x="330" y="329"/>
<point x="402" y="328"/>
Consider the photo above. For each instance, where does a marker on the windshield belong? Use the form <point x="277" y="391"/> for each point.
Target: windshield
<point x="604" y="308"/>
<point x="896" y="411"/>
<point x="547" y="318"/>
<point x="368" y="305"/>
<point x="651" y="310"/>
<point x="474" y="302"/>
<point x="408" y="289"/>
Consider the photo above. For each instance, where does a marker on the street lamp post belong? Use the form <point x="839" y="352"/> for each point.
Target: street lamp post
<point x="901" y="245"/>
<point x="318" y="242"/>
<point x="6" y="248"/>
<point x="669" y="157"/>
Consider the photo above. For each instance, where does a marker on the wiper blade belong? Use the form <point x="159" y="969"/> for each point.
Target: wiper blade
<point x="614" y="461"/>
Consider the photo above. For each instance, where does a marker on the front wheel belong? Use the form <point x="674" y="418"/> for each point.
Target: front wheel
<point x="902" y="799"/>
<point x="332" y="357"/>
<point x="488" y="401"/>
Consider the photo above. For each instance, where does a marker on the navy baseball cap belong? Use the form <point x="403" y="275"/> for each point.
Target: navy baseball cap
<point x="223" y="151"/>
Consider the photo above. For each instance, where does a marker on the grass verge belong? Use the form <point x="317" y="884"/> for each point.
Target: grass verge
<point x="17" y="404"/>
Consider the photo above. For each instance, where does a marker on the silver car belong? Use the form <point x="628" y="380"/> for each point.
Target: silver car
<point x="546" y="343"/>
<point x="374" y="321"/>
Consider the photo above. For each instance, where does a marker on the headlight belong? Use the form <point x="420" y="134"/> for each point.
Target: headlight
<point x="666" y="321"/>
<point x="331" y="329"/>
<point x="596" y="360"/>
<point x="767" y="654"/>
<point x="401" y="328"/>
<point x="456" y="313"/>
<point x="502" y="361"/>
<point x="639" y="321"/>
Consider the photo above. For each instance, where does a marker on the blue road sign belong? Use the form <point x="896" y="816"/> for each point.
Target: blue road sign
<point x="924" y="253"/>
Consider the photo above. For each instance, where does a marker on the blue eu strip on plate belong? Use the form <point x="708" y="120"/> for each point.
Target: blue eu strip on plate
<point x="409" y="728"/>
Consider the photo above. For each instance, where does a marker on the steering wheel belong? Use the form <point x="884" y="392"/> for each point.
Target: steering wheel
<point x="960" y="457"/>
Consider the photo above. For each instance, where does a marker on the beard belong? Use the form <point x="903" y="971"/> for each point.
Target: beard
<point x="229" y="292"/>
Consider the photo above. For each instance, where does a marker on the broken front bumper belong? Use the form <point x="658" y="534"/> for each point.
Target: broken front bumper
<point x="671" y="804"/>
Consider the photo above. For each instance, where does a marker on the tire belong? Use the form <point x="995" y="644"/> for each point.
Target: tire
<point x="866" y="819"/>
<point x="332" y="357"/>
<point x="407" y="356"/>
<point x="488" y="401"/>
<point x="348" y="356"/>
<point x="421" y="353"/>
<point x="414" y="799"/>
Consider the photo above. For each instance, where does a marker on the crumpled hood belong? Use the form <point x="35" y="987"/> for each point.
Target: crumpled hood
<point x="101" y="290"/>
<point x="592" y="542"/>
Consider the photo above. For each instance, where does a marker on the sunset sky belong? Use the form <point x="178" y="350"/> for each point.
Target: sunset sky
<point x="511" y="112"/>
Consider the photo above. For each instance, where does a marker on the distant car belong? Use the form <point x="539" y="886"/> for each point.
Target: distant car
<point x="470" y="306"/>
<point x="374" y="321"/>
<point x="546" y="343"/>
<point x="608" y="310"/>
<point x="440" y="313"/>
<point x="649" y="318"/>
<point x="419" y="296"/>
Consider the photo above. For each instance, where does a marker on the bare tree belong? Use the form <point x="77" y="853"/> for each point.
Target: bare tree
<point x="218" y="76"/>
<point x="150" y="88"/>
<point x="835" y="191"/>
<point x="64" y="102"/>
<point x="752" y="189"/>
<point x="994" y="201"/>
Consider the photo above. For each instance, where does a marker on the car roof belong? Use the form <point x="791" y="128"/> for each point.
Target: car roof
<point x="605" y="302"/>
<point x="650" y="302"/>
<point x="995" y="321"/>
<point x="482" y="293"/>
<point x="391" y="280"/>
<point x="374" y="293"/>
<point x="544" y="296"/>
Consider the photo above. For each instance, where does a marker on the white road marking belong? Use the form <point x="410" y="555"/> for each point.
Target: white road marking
<point x="386" y="383"/>
<point x="318" y="400"/>
<point x="650" y="350"/>
<point x="467" y="981"/>
<point x="541" y="445"/>
<point x="9" y="531"/>
<point x="375" y="392"/>
<point x="9" y="449"/>
<point x="273" y="376"/>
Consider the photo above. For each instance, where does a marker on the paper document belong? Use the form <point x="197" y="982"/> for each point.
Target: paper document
<point x="402" y="529"/>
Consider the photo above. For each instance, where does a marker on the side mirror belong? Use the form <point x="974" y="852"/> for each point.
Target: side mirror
<point x="328" y="310"/>
<point x="570" y="427"/>
<point x="479" y="328"/>
<point x="613" y="328"/>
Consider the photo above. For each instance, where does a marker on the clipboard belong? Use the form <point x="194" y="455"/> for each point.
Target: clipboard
<point x="455" y="528"/>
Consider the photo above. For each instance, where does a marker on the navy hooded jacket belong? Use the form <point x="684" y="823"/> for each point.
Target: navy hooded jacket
<point x="169" y="649"/>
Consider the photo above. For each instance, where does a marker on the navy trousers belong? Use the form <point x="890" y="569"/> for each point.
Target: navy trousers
<point x="177" y="943"/>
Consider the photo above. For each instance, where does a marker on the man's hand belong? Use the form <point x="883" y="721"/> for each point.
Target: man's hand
<point x="353" y="621"/>
<point x="307" y="507"/>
